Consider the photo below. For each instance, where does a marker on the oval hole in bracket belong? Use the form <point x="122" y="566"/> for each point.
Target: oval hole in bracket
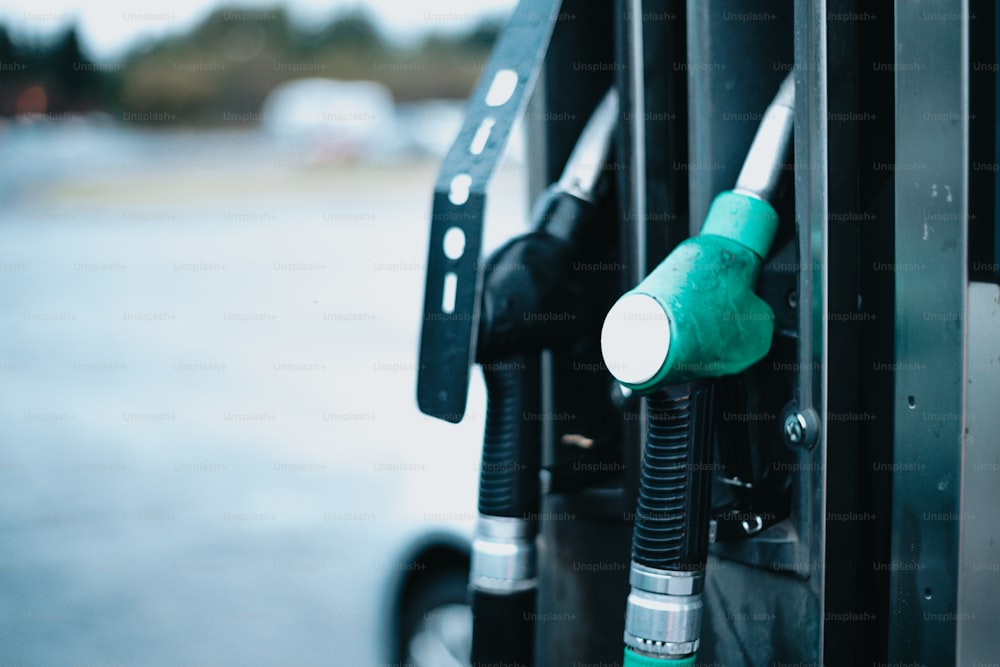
<point x="453" y="243"/>
<point x="449" y="292"/>
<point x="501" y="88"/>
<point x="458" y="192"/>
<point x="482" y="136"/>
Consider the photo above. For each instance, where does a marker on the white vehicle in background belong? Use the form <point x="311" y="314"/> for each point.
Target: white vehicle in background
<point x="332" y="120"/>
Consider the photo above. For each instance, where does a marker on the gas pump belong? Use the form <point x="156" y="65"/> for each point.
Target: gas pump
<point x="702" y="433"/>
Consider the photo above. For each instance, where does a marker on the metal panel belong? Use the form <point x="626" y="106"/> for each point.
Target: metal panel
<point x="583" y="544"/>
<point x="736" y="61"/>
<point x="979" y="545"/>
<point x="738" y="54"/>
<point x="764" y="595"/>
<point x="931" y="185"/>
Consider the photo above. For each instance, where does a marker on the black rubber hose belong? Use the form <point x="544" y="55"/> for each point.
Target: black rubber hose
<point x="671" y="522"/>
<point x="508" y="478"/>
<point x="505" y="629"/>
<point x="504" y="622"/>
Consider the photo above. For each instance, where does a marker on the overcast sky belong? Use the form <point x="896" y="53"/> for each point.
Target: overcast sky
<point x="108" y="28"/>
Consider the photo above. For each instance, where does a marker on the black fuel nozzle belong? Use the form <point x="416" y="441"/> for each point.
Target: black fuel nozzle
<point x="530" y="302"/>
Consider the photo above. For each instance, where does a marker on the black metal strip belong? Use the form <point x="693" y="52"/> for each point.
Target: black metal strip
<point x="448" y="338"/>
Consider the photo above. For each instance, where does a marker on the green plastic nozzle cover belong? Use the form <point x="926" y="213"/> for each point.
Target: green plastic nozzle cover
<point x="718" y="326"/>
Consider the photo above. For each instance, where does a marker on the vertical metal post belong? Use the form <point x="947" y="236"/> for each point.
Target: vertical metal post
<point x="812" y="209"/>
<point x="931" y="191"/>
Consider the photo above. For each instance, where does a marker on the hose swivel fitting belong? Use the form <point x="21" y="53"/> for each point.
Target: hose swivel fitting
<point x="663" y="612"/>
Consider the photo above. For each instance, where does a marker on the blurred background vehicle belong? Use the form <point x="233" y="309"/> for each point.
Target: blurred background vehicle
<point x="211" y="271"/>
<point x="340" y="119"/>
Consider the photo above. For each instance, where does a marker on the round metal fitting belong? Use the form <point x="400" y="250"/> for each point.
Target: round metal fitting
<point x="502" y="527"/>
<point x="667" y="582"/>
<point x="503" y="555"/>
<point x="667" y="625"/>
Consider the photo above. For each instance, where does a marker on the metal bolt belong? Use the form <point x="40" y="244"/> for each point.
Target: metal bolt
<point x="801" y="427"/>
<point x="795" y="427"/>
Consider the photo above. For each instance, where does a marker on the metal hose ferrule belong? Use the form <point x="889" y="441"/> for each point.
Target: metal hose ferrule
<point x="503" y="555"/>
<point x="663" y="611"/>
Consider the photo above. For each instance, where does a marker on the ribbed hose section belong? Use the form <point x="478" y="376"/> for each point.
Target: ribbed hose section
<point x="508" y="478"/>
<point x="671" y="522"/>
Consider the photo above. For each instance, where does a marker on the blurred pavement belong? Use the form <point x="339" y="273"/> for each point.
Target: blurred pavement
<point x="210" y="451"/>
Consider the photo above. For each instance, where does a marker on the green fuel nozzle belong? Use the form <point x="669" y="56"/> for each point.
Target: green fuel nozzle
<point x="696" y="314"/>
<point x="694" y="318"/>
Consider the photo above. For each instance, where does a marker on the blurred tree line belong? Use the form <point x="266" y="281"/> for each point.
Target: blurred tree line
<point x="222" y="70"/>
<point x="54" y="77"/>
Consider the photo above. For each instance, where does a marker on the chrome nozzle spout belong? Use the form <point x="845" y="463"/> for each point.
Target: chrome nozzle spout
<point x="766" y="159"/>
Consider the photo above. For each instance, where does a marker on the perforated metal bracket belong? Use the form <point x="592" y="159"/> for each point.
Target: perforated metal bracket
<point x="454" y="279"/>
